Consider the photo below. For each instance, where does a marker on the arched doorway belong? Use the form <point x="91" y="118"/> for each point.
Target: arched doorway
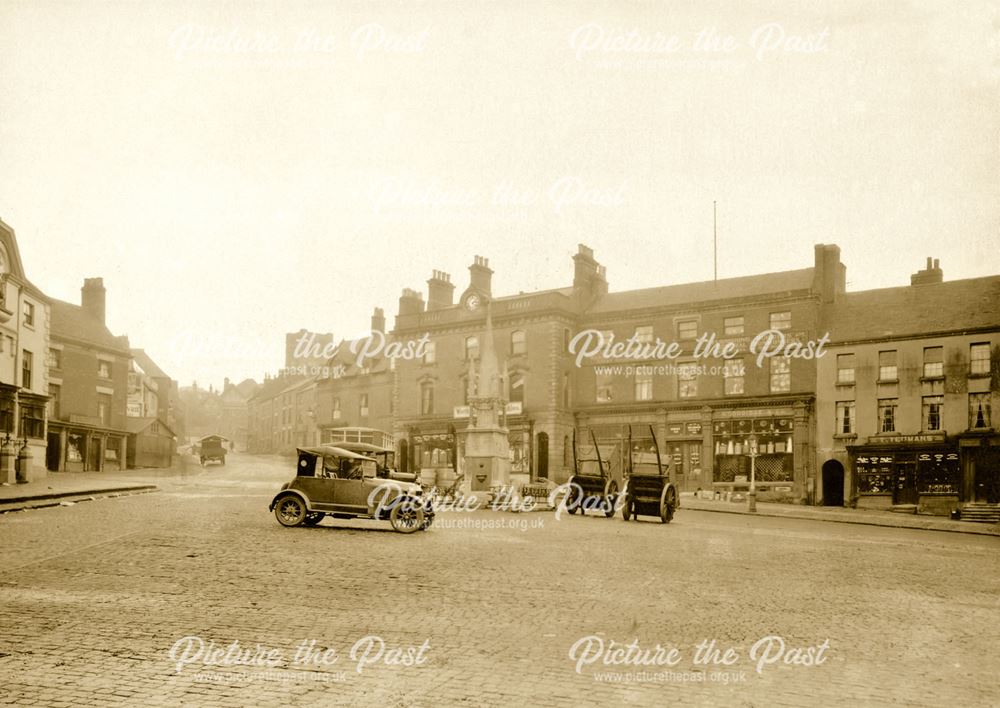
<point x="833" y="483"/>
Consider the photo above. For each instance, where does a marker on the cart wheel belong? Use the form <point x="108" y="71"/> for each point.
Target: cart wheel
<point x="626" y="511"/>
<point x="290" y="511"/>
<point x="610" y="497"/>
<point x="406" y="516"/>
<point x="668" y="502"/>
<point x="313" y="518"/>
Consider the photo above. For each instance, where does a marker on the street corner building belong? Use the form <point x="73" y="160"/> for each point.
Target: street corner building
<point x="906" y="397"/>
<point x="24" y="385"/>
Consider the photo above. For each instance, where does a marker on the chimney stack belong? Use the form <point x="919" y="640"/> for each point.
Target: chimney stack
<point x="829" y="274"/>
<point x="410" y="302"/>
<point x="378" y="320"/>
<point x="929" y="275"/>
<point x="588" y="275"/>
<point x="480" y="275"/>
<point x="93" y="296"/>
<point x="440" y="291"/>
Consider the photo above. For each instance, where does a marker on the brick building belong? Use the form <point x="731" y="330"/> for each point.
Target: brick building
<point x="24" y="343"/>
<point x="88" y="381"/>
<point x="907" y="394"/>
<point x="702" y="409"/>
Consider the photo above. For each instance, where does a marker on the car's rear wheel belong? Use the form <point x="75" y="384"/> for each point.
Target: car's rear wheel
<point x="313" y="518"/>
<point x="290" y="511"/>
<point x="406" y="516"/>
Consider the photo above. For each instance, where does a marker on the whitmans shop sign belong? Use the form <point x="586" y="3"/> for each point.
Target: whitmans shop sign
<point x="926" y="438"/>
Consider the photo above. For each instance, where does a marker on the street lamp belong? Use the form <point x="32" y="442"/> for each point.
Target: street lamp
<point x="752" y="495"/>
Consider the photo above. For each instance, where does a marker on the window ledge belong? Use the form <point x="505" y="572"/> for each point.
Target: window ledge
<point x="845" y="436"/>
<point x="844" y="383"/>
<point x="927" y="379"/>
<point x="887" y="381"/>
<point x="980" y="375"/>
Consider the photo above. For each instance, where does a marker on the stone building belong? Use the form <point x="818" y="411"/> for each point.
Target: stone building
<point x="907" y="396"/>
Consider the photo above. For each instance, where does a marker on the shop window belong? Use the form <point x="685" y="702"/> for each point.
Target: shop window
<point x="845" y="418"/>
<point x="979" y="411"/>
<point x="687" y="329"/>
<point x="430" y="353"/>
<point x="932" y="413"/>
<point x="687" y="380"/>
<point x="27" y="364"/>
<point x="874" y="475"/>
<point x="643" y="386"/>
<point x="426" y="398"/>
<point x="75" y="447"/>
<point x="733" y="325"/>
<point x="518" y="342"/>
<point x="33" y="421"/>
<point x="471" y="348"/>
<point x="6" y="413"/>
<point x="644" y="334"/>
<point x="363" y="405"/>
<point x="781" y="320"/>
<point x="733" y="371"/>
<point x="605" y="388"/>
<point x="887" y="415"/>
<point x="887" y="370"/>
<point x="781" y="374"/>
<point x="979" y="358"/>
<point x="933" y="362"/>
<point x="845" y="368"/>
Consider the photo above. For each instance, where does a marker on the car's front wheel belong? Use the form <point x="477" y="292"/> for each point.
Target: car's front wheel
<point x="290" y="511"/>
<point x="406" y="516"/>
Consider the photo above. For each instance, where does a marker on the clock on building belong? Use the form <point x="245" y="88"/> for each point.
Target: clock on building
<point x="472" y="301"/>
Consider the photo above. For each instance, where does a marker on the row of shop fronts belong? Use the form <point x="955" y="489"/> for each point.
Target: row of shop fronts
<point x="933" y="473"/>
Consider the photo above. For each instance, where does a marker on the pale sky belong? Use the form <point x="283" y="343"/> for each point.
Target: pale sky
<point x="238" y="170"/>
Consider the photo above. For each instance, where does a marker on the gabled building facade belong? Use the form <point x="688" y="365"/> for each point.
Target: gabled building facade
<point x="88" y="382"/>
<point x="25" y="315"/>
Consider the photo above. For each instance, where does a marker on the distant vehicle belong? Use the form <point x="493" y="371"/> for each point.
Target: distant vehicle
<point x="332" y="481"/>
<point x="648" y="489"/>
<point x="591" y="486"/>
<point x="212" y="449"/>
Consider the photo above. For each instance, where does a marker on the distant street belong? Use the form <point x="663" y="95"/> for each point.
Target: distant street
<point x="483" y="609"/>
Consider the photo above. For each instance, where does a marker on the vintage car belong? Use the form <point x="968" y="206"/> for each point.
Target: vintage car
<point x="211" y="448"/>
<point x="332" y="481"/>
<point x="648" y="489"/>
<point x="591" y="487"/>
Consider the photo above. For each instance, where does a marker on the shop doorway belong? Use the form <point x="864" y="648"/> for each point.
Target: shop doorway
<point x="905" y="487"/>
<point x="52" y="453"/>
<point x="833" y="483"/>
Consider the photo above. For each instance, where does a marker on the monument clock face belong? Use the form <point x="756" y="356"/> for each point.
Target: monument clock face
<point x="473" y="302"/>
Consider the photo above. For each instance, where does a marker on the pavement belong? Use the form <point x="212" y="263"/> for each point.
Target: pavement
<point x="842" y="515"/>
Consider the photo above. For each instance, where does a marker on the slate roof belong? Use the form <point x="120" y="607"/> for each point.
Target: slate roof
<point x="134" y="425"/>
<point x="73" y="322"/>
<point x="147" y="364"/>
<point x="917" y="310"/>
<point x="690" y="293"/>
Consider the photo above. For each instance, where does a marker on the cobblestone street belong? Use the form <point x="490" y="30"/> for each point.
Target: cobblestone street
<point x="98" y="596"/>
